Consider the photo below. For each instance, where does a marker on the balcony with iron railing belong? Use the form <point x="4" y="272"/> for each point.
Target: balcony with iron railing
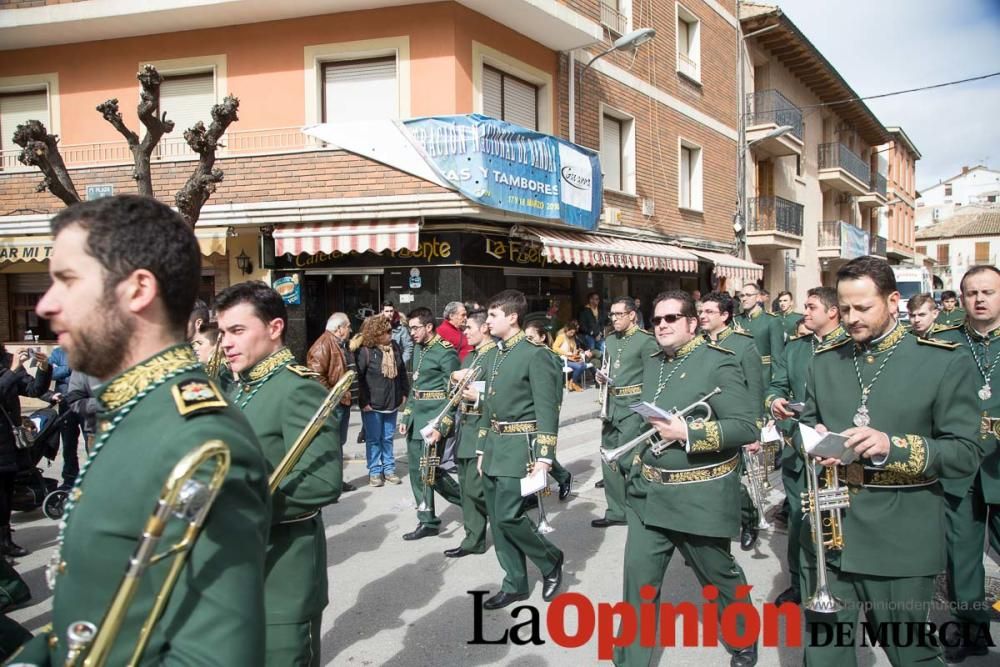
<point x="878" y="246"/>
<point x="774" y="221"/>
<point x="877" y="192"/>
<point x="771" y="108"/>
<point x="612" y="19"/>
<point x="832" y="244"/>
<point x="843" y="170"/>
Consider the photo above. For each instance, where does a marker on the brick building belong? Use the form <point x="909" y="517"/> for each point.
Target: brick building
<point x="662" y="117"/>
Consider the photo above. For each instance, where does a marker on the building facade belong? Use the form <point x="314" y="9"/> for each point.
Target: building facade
<point x="897" y="220"/>
<point x="349" y="228"/>
<point x="975" y="185"/>
<point x="968" y="238"/>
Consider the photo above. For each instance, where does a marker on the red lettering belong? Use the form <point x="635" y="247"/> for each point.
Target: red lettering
<point x="606" y="639"/>
<point x="555" y="620"/>
<point x="793" y="624"/>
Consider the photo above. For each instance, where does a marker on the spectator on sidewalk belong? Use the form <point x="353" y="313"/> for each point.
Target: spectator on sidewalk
<point x="330" y="358"/>
<point x="382" y="388"/>
<point x="452" y="329"/>
<point x="400" y="334"/>
<point x="576" y="358"/>
<point x="69" y="431"/>
<point x="592" y="322"/>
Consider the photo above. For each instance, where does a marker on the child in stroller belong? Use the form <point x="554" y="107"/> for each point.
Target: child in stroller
<point x="31" y="488"/>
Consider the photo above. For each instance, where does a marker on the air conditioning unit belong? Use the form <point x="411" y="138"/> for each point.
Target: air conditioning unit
<point x="612" y="215"/>
<point x="648" y="207"/>
<point x="936" y="214"/>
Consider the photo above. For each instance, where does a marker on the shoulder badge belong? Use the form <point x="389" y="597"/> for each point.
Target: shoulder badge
<point x="937" y="342"/>
<point x="834" y="345"/>
<point x="303" y="371"/>
<point x="743" y="332"/>
<point x="195" y="395"/>
<point x="444" y="343"/>
<point x="720" y="348"/>
<point x="938" y="328"/>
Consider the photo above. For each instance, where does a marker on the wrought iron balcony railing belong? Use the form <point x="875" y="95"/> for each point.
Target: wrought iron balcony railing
<point x="765" y="107"/>
<point x="775" y="214"/>
<point x="839" y="156"/>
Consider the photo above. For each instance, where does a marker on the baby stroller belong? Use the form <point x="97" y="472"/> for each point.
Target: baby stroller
<point x="31" y="489"/>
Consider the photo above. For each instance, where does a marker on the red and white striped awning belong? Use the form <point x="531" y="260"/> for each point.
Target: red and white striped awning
<point x="348" y="236"/>
<point x="728" y="266"/>
<point x="598" y="250"/>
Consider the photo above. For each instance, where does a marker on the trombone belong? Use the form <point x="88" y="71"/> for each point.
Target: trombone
<point x="311" y="430"/>
<point x="652" y="437"/>
<point x="827" y="531"/>
<point x="543" y="527"/>
<point x="183" y="497"/>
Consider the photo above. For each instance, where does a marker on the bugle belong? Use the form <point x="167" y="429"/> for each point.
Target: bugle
<point x="311" y="430"/>
<point x="215" y="363"/>
<point x="823" y="506"/>
<point x="652" y="437"/>
<point x="183" y="497"/>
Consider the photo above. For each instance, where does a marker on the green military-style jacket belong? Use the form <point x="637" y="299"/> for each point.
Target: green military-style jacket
<point x="521" y="409"/>
<point x="923" y="401"/>
<point x="767" y="334"/>
<point x="627" y="353"/>
<point x="695" y="488"/>
<point x="279" y="397"/>
<point x="953" y="318"/>
<point x="742" y="345"/>
<point x="470" y="416"/>
<point x="789" y="323"/>
<point x="153" y="414"/>
<point x="985" y="350"/>
<point x="432" y="364"/>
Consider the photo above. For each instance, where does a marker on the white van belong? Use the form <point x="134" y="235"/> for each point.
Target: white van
<point x="910" y="280"/>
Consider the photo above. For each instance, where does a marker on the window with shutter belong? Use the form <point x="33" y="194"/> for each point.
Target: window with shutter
<point x="17" y="109"/>
<point x="611" y="153"/>
<point x="360" y="90"/>
<point x="685" y="198"/>
<point x="186" y="99"/>
<point x="509" y="98"/>
<point x="921" y="250"/>
<point x="983" y="252"/>
<point x="942" y="253"/>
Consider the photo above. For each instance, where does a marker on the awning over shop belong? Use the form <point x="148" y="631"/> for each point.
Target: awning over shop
<point x="598" y="250"/>
<point x="212" y="241"/>
<point x="728" y="266"/>
<point x="345" y="237"/>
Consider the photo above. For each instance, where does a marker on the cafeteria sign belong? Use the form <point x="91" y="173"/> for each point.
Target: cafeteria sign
<point x="511" y="168"/>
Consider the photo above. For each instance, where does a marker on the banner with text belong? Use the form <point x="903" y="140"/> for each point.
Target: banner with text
<point x="512" y="168"/>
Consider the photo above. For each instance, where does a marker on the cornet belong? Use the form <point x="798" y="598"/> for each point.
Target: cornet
<point x="652" y="437"/>
<point x="757" y="482"/>
<point x="827" y="532"/>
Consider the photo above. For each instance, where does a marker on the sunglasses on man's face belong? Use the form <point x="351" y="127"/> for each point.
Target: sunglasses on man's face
<point x="669" y="319"/>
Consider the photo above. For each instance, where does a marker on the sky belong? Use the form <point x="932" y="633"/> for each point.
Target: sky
<point x="881" y="46"/>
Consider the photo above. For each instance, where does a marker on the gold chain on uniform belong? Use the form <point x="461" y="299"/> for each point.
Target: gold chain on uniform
<point x="661" y="384"/>
<point x="423" y="353"/>
<point x="862" y="413"/>
<point x="986" y="372"/>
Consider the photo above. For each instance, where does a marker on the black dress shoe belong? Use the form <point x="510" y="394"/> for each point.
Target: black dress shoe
<point x="502" y="599"/>
<point x="748" y="538"/>
<point x="746" y="657"/>
<point x="788" y="595"/>
<point x="347" y="486"/>
<point x="421" y="532"/>
<point x="604" y="522"/>
<point x="458" y="552"/>
<point x="564" y="487"/>
<point x="958" y="649"/>
<point x="599" y="485"/>
<point x="552" y="581"/>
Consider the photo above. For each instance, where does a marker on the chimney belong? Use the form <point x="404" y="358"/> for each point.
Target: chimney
<point x="965" y="170"/>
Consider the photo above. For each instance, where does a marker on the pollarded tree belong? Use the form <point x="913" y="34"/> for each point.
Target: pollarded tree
<point x="41" y="149"/>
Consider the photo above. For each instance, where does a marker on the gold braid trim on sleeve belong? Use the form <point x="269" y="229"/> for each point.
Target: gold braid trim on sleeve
<point x="916" y="462"/>
<point x="704" y="436"/>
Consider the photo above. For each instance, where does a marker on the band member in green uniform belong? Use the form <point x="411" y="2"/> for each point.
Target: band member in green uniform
<point x="687" y="497"/>
<point x="119" y="305"/>
<point x="908" y="435"/>
<point x="786" y="314"/>
<point x="951" y="315"/>
<point x="536" y="332"/>
<point x="923" y="312"/>
<point x="788" y="388"/>
<point x="763" y="326"/>
<point x="434" y="360"/>
<point x="470" y="421"/>
<point x="627" y="350"/>
<point x="715" y="320"/>
<point x="279" y="397"/>
<point x="521" y="406"/>
<point x="973" y="501"/>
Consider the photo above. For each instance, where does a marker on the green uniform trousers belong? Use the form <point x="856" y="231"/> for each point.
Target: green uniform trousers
<point x="558" y="472"/>
<point x="647" y="554"/>
<point x="445" y="485"/>
<point x="795" y="484"/>
<point x="473" y="506"/>
<point x="614" y="477"/>
<point x="294" y="644"/>
<point x="912" y="597"/>
<point x="749" y="516"/>
<point x="514" y="536"/>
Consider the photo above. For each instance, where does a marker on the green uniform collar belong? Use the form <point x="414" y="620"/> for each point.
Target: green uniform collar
<point x="628" y="332"/>
<point x="888" y="341"/>
<point x="978" y="337"/>
<point x="837" y="332"/>
<point x="268" y="365"/>
<point x="123" y="388"/>
<point x="687" y="348"/>
<point x="505" y="345"/>
<point x="755" y="313"/>
<point x="724" y="334"/>
<point x="429" y="344"/>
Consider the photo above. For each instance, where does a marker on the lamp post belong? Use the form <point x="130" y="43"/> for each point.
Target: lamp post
<point x="632" y="40"/>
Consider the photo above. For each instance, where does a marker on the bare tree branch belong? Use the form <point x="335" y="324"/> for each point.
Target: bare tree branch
<point x="202" y="182"/>
<point x="40" y="149"/>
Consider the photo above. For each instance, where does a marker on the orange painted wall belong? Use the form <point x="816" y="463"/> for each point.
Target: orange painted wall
<point x="265" y="63"/>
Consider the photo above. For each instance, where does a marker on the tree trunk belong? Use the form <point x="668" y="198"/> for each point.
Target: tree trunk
<point x="41" y="149"/>
<point x="201" y="184"/>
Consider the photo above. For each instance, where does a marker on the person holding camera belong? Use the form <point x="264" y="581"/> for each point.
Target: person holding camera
<point x="15" y="381"/>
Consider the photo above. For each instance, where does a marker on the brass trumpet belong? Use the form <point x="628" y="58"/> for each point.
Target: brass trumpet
<point x="215" y="364"/>
<point x="652" y="437"/>
<point x="543" y="527"/>
<point x="756" y="467"/>
<point x="183" y="497"/>
<point x="605" y="386"/>
<point x="311" y="430"/>
<point x="827" y="531"/>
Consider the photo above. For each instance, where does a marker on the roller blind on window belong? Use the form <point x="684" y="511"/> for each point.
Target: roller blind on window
<point x="492" y="93"/>
<point x="17" y="109"/>
<point x="186" y="99"/>
<point x="611" y="153"/>
<point x="509" y="98"/>
<point x="360" y="90"/>
<point x="686" y="168"/>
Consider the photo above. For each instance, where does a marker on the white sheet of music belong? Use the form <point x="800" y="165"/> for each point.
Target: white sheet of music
<point x="534" y="482"/>
<point x="826" y="445"/>
<point x="649" y="411"/>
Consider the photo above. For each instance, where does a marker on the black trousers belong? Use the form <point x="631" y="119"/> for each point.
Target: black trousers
<point x="6" y="497"/>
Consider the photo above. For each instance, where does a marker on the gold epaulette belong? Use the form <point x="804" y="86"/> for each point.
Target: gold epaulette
<point x="538" y="344"/>
<point x="937" y="342"/>
<point x="719" y="348"/>
<point x="938" y="328"/>
<point x="743" y="332"/>
<point x="834" y="345"/>
<point x="195" y="395"/>
<point x="487" y="347"/>
<point x="303" y="371"/>
<point x="641" y="330"/>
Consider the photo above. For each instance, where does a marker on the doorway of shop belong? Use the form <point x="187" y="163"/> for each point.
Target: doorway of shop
<point x="357" y="294"/>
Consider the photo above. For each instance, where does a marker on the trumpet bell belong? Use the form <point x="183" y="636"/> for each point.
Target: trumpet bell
<point x="824" y="602"/>
<point x="544" y="527"/>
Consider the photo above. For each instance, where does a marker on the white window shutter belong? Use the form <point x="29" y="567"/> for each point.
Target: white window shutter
<point x="360" y="90"/>
<point x="685" y="177"/>
<point x="492" y="93"/>
<point x="520" y="102"/>
<point x="611" y="153"/>
<point x="18" y="109"/>
<point x="186" y="99"/>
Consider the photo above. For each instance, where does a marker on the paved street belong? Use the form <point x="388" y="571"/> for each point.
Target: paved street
<point x="402" y="603"/>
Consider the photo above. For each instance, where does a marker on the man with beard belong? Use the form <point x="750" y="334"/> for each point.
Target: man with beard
<point x="906" y="437"/>
<point x="119" y="305"/>
<point x="687" y="496"/>
<point x="788" y="387"/>
<point x="973" y="502"/>
<point x="279" y="397"/>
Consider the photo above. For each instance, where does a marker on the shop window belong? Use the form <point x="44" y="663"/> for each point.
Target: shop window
<point x="509" y="98"/>
<point x="23" y="317"/>
<point x="363" y="89"/>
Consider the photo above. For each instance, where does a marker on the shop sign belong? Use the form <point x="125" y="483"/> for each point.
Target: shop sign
<point x="289" y="288"/>
<point x="98" y="191"/>
<point x="25" y="252"/>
